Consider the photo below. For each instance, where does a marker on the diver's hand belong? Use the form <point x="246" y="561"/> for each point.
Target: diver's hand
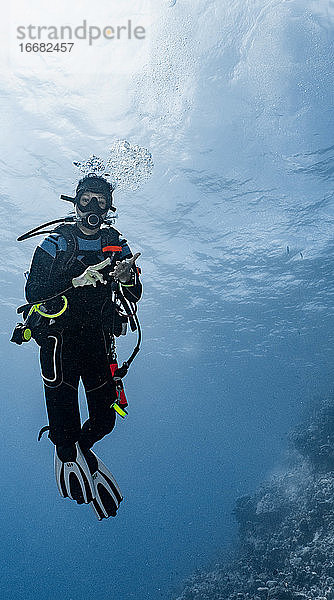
<point x="122" y="270"/>
<point x="91" y="275"/>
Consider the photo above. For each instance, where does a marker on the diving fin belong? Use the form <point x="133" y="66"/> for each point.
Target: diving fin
<point x="107" y="496"/>
<point x="74" y="479"/>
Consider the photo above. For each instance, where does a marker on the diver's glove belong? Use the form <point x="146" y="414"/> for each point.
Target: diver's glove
<point x="91" y="275"/>
<point x="123" y="269"/>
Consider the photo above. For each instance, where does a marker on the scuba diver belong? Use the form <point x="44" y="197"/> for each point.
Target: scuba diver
<point x="82" y="290"/>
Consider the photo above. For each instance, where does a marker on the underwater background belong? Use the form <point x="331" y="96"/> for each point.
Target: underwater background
<point x="234" y="100"/>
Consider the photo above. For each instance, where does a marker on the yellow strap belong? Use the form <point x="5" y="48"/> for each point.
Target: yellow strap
<point x="31" y="310"/>
<point x="35" y="308"/>
<point x="119" y="410"/>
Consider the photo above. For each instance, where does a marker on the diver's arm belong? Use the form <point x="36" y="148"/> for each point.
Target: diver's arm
<point x="45" y="279"/>
<point x="132" y="290"/>
<point x="128" y="275"/>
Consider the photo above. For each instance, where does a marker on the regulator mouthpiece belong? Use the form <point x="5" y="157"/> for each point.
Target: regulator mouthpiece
<point x="92" y="220"/>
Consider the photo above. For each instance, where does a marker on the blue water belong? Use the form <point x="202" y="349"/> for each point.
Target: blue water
<point x="235" y="227"/>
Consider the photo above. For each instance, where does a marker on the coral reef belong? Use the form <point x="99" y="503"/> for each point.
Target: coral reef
<point x="286" y="529"/>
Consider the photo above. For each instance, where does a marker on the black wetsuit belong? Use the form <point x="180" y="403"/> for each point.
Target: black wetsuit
<point x="75" y="345"/>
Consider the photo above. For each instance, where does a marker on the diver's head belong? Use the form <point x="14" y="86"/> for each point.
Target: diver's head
<point x="91" y="209"/>
<point x="92" y="201"/>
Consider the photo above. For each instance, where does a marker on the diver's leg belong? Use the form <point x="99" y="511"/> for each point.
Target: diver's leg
<point x="59" y="368"/>
<point x="61" y="379"/>
<point x="101" y="416"/>
<point x="100" y="393"/>
<point x="64" y="419"/>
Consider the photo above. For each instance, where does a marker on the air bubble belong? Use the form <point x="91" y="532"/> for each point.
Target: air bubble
<point x="93" y="165"/>
<point x="127" y="167"/>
